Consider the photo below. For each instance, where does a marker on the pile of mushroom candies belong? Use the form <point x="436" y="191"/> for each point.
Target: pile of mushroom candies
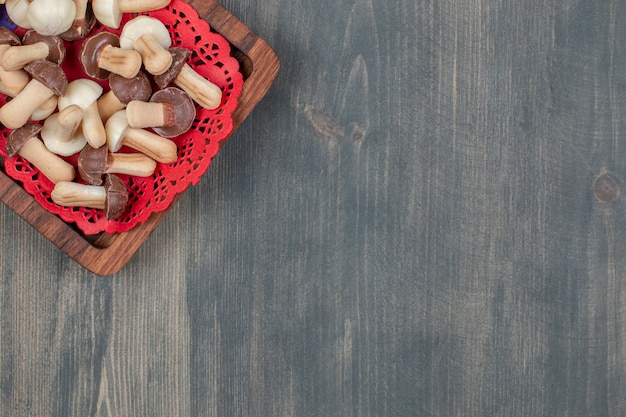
<point x="52" y="118"/>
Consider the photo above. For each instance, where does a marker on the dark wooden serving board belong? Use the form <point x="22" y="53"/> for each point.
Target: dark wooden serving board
<point x="106" y="254"/>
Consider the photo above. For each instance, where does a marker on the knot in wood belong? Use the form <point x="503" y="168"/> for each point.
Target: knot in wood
<point x="606" y="188"/>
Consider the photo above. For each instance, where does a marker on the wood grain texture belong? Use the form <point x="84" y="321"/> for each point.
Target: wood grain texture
<point x="406" y="225"/>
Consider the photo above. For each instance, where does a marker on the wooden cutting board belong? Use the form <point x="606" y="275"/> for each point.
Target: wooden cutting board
<point x="106" y="254"/>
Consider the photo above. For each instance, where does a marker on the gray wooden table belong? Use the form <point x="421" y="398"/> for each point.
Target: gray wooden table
<point x="406" y="225"/>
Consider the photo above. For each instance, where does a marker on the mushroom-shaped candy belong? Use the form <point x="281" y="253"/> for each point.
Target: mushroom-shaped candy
<point x="46" y="109"/>
<point x="14" y="81"/>
<point x="51" y="17"/>
<point x="169" y="113"/>
<point x="94" y="163"/>
<point x="85" y="93"/>
<point x="47" y="80"/>
<point x="11" y="82"/>
<point x="25" y="142"/>
<point x="61" y="131"/>
<point x="201" y="90"/>
<point x="148" y="36"/>
<point x="119" y="134"/>
<point x="101" y="55"/>
<point x="123" y="91"/>
<point x="84" y="21"/>
<point x="34" y="46"/>
<point x="17" y="10"/>
<point x="112" y="197"/>
<point x="109" y="12"/>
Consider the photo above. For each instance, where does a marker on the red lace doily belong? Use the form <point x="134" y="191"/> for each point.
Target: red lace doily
<point x="210" y="58"/>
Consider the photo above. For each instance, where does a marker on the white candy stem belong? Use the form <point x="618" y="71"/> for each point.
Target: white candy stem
<point x="73" y="194"/>
<point x="50" y="165"/>
<point x="46" y="109"/>
<point x="142" y="114"/>
<point x="201" y="90"/>
<point x="16" y="57"/>
<point x="108" y="103"/>
<point x="124" y="62"/>
<point x="12" y="81"/>
<point x="156" y="59"/>
<point x="81" y="9"/>
<point x="135" y="164"/>
<point x="69" y="120"/>
<point x="93" y="128"/>
<point x="156" y="147"/>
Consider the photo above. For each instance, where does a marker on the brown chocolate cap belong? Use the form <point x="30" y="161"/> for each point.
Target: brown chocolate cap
<point x="181" y="108"/>
<point x="7" y="37"/>
<point x="20" y="136"/>
<point x="49" y="74"/>
<point x="81" y="27"/>
<point x="56" y="48"/>
<point x="179" y="58"/>
<point x="91" y="50"/>
<point x="116" y="197"/>
<point x="92" y="163"/>
<point x="128" y="89"/>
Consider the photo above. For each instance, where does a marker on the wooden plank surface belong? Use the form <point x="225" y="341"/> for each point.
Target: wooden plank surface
<point x="405" y="226"/>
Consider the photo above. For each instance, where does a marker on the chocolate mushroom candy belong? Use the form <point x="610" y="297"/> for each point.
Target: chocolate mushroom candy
<point x="112" y="197"/>
<point x="94" y="163"/>
<point x="201" y="90"/>
<point x="25" y="142"/>
<point x="85" y="93"/>
<point x="11" y="82"/>
<point x="101" y="55"/>
<point x="119" y="134"/>
<point x="109" y="12"/>
<point x="51" y="17"/>
<point x="48" y="79"/>
<point x="34" y="47"/>
<point x="17" y="11"/>
<point x="84" y="22"/>
<point x="148" y="36"/>
<point x="61" y="131"/>
<point x="169" y="113"/>
<point x="122" y="91"/>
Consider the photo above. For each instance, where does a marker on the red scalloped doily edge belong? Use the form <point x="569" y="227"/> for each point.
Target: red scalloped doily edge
<point x="196" y="148"/>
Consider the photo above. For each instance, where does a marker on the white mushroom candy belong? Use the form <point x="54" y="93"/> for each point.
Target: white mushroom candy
<point x="109" y="12"/>
<point x="119" y="134"/>
<point x="61" y="131"/>
<point x="17" y="11"/>
<point x="148" y="36"/>
<point x="51" y="17"/>
<point x="85" y="93"/>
